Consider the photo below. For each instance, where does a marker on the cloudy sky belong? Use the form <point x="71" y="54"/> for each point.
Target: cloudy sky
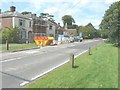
<point x="83" y="11"/>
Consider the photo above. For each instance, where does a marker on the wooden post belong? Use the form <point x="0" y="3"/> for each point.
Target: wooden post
<point x="89" y="50"/>
<point x="7" y="44"/>
<point x="72" y="60"/>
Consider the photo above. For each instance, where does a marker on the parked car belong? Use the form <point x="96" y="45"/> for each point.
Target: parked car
<point x="67" y="39"/>
<point x="71" y="39"/>
<point x="78" y="39"/>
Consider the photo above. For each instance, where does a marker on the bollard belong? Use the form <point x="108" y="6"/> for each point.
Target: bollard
<point x="89" y="50"/>
<point x="7" y="45"/>
<point x="72" y="60"/>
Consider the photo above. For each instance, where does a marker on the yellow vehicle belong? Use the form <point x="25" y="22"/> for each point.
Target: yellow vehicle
<point x="43" y="40"/>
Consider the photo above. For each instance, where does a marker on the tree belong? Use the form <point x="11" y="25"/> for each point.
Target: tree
<point x="88" y="31"/>
<point x="110" y="23"/>
<point x="25" y="12"/>
<point x="68" y="19"/>
<point x="44" y="15"/>
<point x="10" y="34"/>
<point x="50" y="18"/>
<point x="47" y="16"/>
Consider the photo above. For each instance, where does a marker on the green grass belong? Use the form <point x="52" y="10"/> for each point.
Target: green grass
<point x="14" y="47"/>
<point x="99" y="70"/>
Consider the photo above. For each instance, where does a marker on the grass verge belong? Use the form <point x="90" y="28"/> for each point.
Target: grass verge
<point x="15" y="47"/>
<point x="99" y="70"/>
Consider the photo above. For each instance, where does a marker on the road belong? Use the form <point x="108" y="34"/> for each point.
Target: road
<point x="23" y="67"/>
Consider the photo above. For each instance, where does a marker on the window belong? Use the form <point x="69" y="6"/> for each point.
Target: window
<point x="50" y="27"/>
<point x="30" y="24"/>
<point x="21" y="22"/>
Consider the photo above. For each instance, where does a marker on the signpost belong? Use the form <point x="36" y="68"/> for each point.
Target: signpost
<point x="80" y="34"/>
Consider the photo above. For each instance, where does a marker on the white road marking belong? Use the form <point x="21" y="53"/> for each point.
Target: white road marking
<point x="81" y="53"/>
<point x="31" y="52"/>
<point x="11" y="59"/>
<point x="26" y="82"/>
<point x="9" y="69"/>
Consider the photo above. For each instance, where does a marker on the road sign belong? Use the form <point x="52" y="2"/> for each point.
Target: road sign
<point x="80" y="34"/>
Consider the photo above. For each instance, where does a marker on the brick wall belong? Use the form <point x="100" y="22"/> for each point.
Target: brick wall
<point x="6" y="22"/>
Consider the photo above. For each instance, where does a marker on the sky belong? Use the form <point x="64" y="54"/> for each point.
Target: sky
<point x="83" y="11"/>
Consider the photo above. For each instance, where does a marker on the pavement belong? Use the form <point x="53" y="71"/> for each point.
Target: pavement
<point x="23" y="67"/>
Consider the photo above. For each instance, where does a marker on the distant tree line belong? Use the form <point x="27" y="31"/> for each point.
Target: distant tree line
<point x="89" y="32"/>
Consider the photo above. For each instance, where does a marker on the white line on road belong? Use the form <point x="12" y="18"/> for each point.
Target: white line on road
<point x="81" y="53"/>
<point x="26" y="82"/>
<point x="11" y="59"/>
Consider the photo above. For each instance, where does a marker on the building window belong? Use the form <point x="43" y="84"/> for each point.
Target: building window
<point x="30" y="24"/>
<point x="22" y="22"/>
<point x="50" y="27"/>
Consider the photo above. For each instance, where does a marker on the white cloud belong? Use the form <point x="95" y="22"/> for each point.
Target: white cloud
<point x="85" y="10"/>
<point x="51" y="10"/>
<point x="84" y="22"/>
<point x="36" y="4"/>
<point x="110" y="1"/>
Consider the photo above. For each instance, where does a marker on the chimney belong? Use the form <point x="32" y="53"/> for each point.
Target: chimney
<point x="33" y="15"/>
<point x="12" y="8"/>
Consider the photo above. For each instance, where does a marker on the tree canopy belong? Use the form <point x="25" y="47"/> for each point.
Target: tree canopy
<point x="69" y="20"/>
<point x="110" y="23"/>
<point x="26" y="12"/>
<point x="89" y="31"/>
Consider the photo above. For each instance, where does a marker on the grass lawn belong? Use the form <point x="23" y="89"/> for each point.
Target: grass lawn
<point x="99" y="70"/>
<point x="13" y="47"/>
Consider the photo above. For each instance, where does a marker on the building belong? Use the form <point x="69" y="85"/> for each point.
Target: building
<point x="69" y="32"/>
<point x="39" y="25"/>
<point x="44" y="27"/>
<point x="29" y="25"/>
<point x="51" y="28"/>
<point x="12" y="19"/>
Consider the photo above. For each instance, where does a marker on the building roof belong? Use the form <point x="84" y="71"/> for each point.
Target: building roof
<point x="13" y="14"/>
<point x="71" y="31"/>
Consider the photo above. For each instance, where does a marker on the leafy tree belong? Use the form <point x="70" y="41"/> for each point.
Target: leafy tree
<point x="68" y="19"/>
<point x="109" y="24"/>
<point x="47" y="16"/>
<point x="26" y="12"/>
<point x="50" y="18"/>
<point x="10" y="34"/>
<point x="88" y="31"/>
<point x="44" y="15"/>
<point x="6" y="34"/>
